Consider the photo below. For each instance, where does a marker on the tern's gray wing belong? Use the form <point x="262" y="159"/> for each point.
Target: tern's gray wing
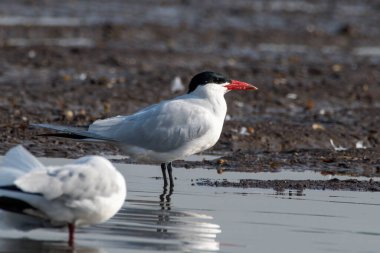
<point x="162" y="127"/>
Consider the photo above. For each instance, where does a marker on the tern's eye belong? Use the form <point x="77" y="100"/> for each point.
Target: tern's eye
<point x="220" y="80"/>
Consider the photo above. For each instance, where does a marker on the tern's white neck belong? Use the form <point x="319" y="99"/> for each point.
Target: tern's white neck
<point x="214" y="95"/>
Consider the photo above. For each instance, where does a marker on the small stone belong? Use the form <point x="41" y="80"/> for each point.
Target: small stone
<point x="82" y="76"/>
<point x="310" y="104"/>
<point x="221" y="161"/>
<point x="337" y="67"/>
<point x="317" y="126"/>
<point x="280" y="81"/>
<point x="239" y="104"/>
<point x="106" y="107"/>
<point x="291" y="96"/>
<point x="67" y="78"/>
<point x="32" y="54"/>
<point x="243" y="131"/>
<point x="177" y="85"/>
<point x="69" y="115"/>
<point x="82" y="112"/>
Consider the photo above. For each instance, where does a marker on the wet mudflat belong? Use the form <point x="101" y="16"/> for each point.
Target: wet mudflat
<point x="316" y="64"/>
<point x="222" y="219"/>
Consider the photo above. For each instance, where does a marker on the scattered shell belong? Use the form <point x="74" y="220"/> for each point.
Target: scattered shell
<point x="69" y="115"/>
<point x="231" y="62"/>
<point x="239" y="104"/>
<point x="310" y="104"/>
<point x="82" y="76"/>
<point x="106" y="107"/>
<point x="177" y="85"/>
<point x="82" y="112"/>
<point x="17" y="112"/>
<point x="32" y="54"/>
<point x="337" y="148"/>
<point x="109" y="85"/>
<point x="360" y="145"/>
<point x="67" y="78"/>
<point x="280" y="81"/>
<point x="243" y="131"/>
<point x="292" y="96"/>
<point x="317" y="126"/>
<point x="221" y="161"/>
<point x="337" y="67"/>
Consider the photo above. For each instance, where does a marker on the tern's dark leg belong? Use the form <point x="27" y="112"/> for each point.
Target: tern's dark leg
<point x="163" y="169"/>
<point x="169" y="167"/>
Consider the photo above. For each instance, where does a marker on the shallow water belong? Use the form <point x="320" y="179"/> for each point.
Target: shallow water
<point x="206" y="219"/>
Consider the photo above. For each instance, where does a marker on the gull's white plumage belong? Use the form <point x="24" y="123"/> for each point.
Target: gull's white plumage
<point x="88" y="191"/>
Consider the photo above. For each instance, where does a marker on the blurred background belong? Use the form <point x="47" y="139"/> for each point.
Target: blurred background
<point x="316" y="63"/>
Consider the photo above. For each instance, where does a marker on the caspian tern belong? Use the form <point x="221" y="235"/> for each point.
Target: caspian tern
<point x="167" y="131"/>
<point x="88" y="191"/>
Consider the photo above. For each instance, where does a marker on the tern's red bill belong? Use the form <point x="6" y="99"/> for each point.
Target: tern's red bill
<point x="238" y="85"/>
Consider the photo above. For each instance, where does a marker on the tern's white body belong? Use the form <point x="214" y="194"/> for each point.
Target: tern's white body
<point x="172" y="129"/>
<point x="88" y="191"/>
<point x="164" y="132"/>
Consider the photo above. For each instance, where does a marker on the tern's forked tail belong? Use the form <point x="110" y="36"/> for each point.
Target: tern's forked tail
<point x="77" y="133"/>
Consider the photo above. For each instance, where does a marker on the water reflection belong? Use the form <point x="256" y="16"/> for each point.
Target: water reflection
<point x="290" y="193"/>
<point x="23" y="245"/>
<point x="165" y="199"/>
<point x="147" y="223"/>
<point x="157" y="225"/>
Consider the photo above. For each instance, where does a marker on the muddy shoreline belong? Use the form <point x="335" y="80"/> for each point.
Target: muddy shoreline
<point x="316" y="80"/>
<point x="280" y="186"/>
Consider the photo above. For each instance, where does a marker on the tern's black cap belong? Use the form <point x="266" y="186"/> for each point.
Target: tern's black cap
<point x="205" y="78"/>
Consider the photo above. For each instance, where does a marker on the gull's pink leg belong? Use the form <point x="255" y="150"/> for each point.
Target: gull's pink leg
<point x="71" y="234"/>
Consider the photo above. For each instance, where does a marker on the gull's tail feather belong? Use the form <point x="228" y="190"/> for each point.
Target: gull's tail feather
<point x="14" y="205"/>
<point x="21" y="159"/>
<point x="78" y="133"/>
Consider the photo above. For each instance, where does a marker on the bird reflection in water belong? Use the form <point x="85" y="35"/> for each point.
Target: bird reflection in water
<point x="164" y="217"/>
<point x="37" y="246"/>
<point x="149" y="221"/>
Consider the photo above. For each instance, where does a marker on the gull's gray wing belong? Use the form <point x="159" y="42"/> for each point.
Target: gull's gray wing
<point x="70" y="182"/>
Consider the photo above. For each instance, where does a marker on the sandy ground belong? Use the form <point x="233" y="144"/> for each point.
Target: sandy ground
<point x="316" y="63"/>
